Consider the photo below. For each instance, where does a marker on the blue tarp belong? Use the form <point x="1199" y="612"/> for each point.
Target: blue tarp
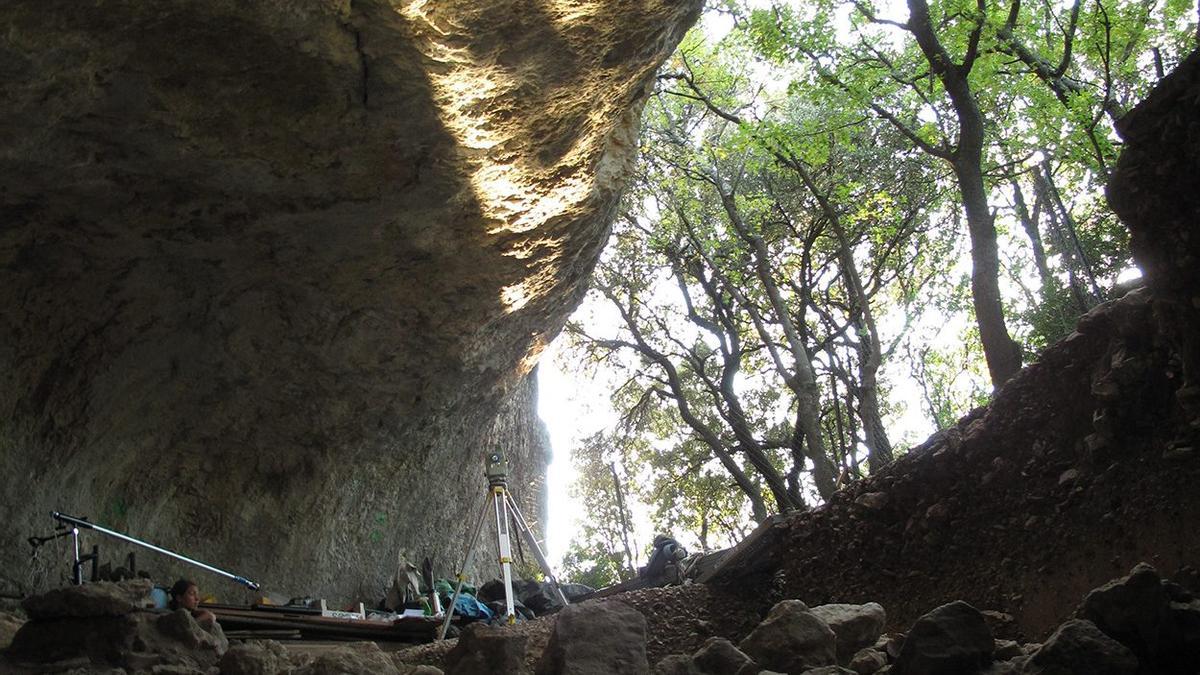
<point x="468" y="606"/>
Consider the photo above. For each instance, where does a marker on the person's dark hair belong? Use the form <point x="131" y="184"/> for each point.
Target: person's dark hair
<point x="178" y="590"/>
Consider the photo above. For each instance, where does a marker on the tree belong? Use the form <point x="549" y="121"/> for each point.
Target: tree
<point x="602" y="553"/>
<point x="789" y="248"/>
<point x="765" y="268"/>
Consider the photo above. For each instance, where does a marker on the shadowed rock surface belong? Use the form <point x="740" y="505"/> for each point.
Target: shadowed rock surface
<point x="108" y="625"/>
<point x="275" y="274"/>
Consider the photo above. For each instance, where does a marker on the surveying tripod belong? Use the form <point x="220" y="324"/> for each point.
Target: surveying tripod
<point x="503" y="505"/>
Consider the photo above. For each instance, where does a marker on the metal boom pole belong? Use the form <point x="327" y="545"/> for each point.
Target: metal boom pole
<point x="79" y="522"/>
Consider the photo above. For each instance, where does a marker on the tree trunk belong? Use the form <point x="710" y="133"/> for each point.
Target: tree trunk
<point x="869" y="354"/>
<point x="1030" y="224"/>
<point x="630" y="563"/>
<point x="708" y="436"/>
<point x="1002" y="353"/>
<point x="802" y="381"/>
<point x="1068" y="244"/>
<point x="724" y="329"/>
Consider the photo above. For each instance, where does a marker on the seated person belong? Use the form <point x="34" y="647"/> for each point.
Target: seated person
<point x="186" y="595"/>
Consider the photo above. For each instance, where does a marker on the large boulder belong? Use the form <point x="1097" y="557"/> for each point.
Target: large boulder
<point x="1156" y="619"/>
<point x="791" y="640"/>
<point x="140" y="640"/>
<point x="718" y="656"/>
<point x="102" y="598"/>
<point x="596" y="638"/>
<point x="255" y="657"/>
<point x="105" y="625"/>
<point x="676" y="664"/>
<point x="856" y="626"/>
<point x="487" y="650"/>
<point x="1131" y="609"/>
<point x="1078" y="647"/>
<point x="950" y="640"/>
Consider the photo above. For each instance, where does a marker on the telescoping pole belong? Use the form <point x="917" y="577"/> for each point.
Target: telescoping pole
<point x="78" y="522"/>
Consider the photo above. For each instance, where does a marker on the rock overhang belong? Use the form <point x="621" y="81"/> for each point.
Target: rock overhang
<point x="259" y="252"/>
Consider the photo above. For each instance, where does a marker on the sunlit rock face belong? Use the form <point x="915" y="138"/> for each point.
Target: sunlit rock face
<point x="275" y="274"/>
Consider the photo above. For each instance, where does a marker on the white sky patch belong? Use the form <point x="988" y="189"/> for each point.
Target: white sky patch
<point x="572" y="410"/>
<point x="1131" y="273"/>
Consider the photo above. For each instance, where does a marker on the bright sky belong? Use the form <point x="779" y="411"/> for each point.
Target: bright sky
<point x="571" y="410"/>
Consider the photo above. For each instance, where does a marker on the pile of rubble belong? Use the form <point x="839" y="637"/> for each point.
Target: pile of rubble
<point x="1136" y="624"/>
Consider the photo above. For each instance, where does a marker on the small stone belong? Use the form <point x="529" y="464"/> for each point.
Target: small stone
<point x="9" y="625"/>
<point x="1006" y="650"/>
<point x="1095" y="444"/>
<point x="872" y="501"/>
<point x="1179" y="453"/>
<point x="937" y="514"/>
<point x="868" y="661"/>
<point x="892" y="644"/>
<point x="1001" y="668"/>
<point x="1107" y="391"/>
<point x="1069" y="476"/>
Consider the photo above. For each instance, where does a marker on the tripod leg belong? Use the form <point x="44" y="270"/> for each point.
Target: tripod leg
<point x="537" y="550"/>
<point x="505" y="544"/>
<point x="467" y="553"/>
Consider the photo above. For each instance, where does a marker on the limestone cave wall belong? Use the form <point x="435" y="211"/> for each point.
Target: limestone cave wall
<point x="275" y="274"/>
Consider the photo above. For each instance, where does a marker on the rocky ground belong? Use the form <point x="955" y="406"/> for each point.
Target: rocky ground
<point x="1135" y="625"/>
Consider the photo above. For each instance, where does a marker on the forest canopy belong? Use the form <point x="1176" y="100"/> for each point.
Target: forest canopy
<point x="847" y="216"/>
